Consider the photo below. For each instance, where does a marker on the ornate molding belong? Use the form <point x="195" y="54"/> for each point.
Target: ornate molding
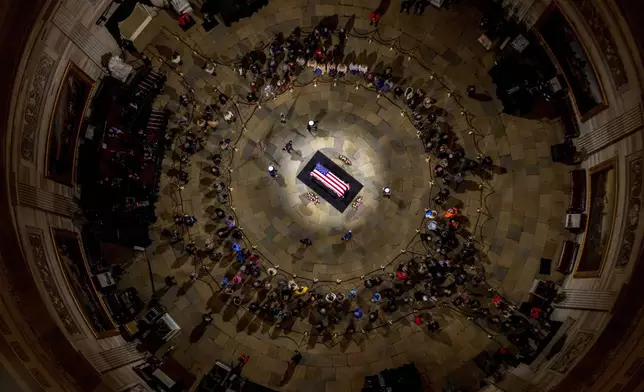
<point x="573" y="352"/>
<point x="604" y="39"/>
<point x="633" y="208"/>
<point x="20" y="352"/>
<point x="38" y="251"/>
<point x="31" y="115"/>
<point x="4" y="328"/>
<point x="42" y="380"/>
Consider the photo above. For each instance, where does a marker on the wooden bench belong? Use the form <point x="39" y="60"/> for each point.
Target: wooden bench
<point x="578" y="191"/>
<point x="567" y="258"/>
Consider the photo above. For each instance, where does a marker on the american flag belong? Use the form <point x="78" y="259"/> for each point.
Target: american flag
<point x="330" y="180"/>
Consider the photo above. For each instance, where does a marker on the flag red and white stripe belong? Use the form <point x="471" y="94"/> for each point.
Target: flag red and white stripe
<point x="330" y="180"/>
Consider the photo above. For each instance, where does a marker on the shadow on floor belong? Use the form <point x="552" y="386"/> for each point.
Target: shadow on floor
<point x="198" y="332"/>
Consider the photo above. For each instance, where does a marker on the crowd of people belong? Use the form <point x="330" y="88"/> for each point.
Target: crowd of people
<point x="443" y="273"/>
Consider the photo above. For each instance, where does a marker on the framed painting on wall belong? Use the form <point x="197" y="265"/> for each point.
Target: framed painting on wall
<point x="69" y="251"/>
<point x="65" y="123"/>
<point x="566" y="49"/>
<point x="601" y="219"/>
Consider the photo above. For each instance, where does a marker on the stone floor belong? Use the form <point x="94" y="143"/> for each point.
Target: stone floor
<point x="521" y="218"/>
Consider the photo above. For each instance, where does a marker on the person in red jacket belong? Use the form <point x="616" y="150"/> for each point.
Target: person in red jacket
<point x="374" y="18"/>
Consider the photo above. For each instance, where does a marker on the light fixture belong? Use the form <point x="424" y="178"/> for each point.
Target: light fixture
<point x="382" y="266"/>
<point x="338" y="281"/>
<point x="463" y="112"/>
<point x="449" y="94"/>
<point x="470" y="132"/>
<point x="357" y="86"/>
<point x="391" y="47"/>
<point x="478" y="210"/>
<point x="315" y="84"/>
<point x="402" y="113"/>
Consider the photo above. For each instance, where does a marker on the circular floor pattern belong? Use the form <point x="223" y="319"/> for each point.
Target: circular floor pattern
<point x="522" y="207"/>
<point x="381" y="156"/>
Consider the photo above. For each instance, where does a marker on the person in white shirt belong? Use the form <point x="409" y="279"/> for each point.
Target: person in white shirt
<point x="342" y="70"/>
<point x="229" y="117"/>
<point x="176" y="59"/>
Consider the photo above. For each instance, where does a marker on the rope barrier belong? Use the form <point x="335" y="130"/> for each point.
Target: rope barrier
<point x="348" y="80"/>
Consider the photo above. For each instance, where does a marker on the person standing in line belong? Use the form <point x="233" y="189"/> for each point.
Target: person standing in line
<point x="347" y="236"/>
<point x="282" y="118"/>
<point x="170" y="281"/>
<point x="306" y="242"/>
<point x="176" y="59"/>
<point x="405" y="5"/>
<point x="374" y="18"/>
<point x="419" y="7"/>
<point x="295" y="359"/>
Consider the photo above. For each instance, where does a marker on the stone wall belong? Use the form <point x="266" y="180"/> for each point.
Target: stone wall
<point x="65" y="34"/>
<point x="613" y="134"/>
